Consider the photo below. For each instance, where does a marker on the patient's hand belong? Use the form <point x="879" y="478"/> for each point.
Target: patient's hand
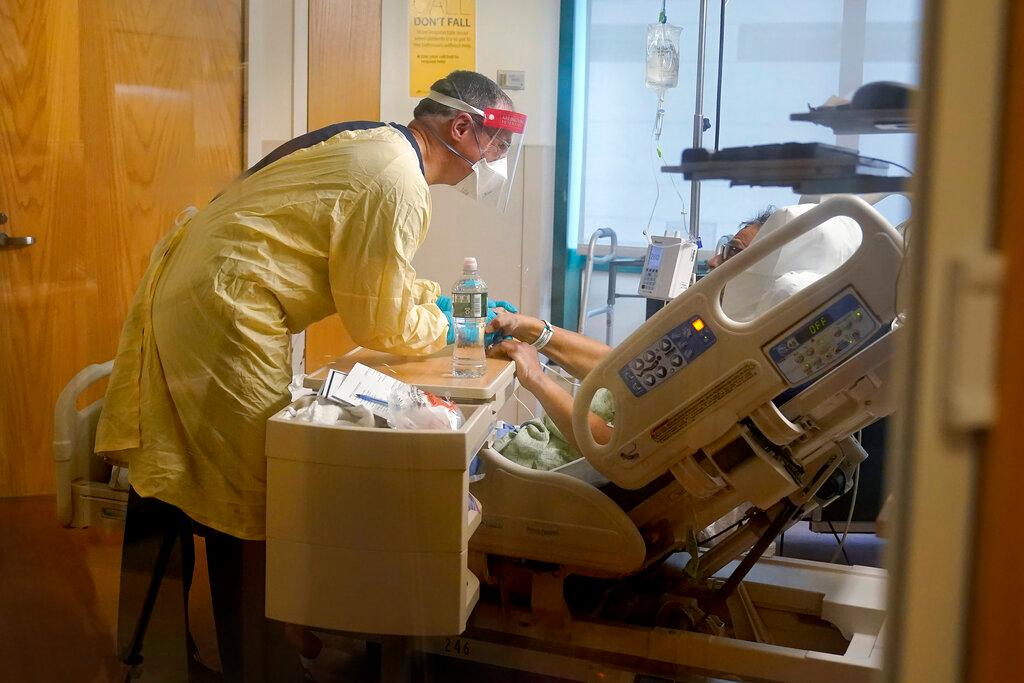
<point x="516" y="325"/>
<point x="528" y="369"/>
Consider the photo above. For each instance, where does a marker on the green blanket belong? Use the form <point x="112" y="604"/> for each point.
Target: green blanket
<point x="539" y="445"/>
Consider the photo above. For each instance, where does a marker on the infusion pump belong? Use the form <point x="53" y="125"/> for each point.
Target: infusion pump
<point x="668" y="267"/>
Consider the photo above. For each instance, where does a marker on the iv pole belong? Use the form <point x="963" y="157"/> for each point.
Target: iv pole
<point x="698" y="121"/>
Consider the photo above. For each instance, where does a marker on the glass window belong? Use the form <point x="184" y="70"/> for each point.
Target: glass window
<point x="778" y="60"/>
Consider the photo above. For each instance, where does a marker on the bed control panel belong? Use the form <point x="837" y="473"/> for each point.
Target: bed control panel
<point x="667" y="356"/>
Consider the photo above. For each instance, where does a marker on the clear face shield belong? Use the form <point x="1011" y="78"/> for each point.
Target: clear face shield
<point x="499" y="137"/>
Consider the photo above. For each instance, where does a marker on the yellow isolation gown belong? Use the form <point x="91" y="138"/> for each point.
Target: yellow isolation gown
<point x="204" y="357"/>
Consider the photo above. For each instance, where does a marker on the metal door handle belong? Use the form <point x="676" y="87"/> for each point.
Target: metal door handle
<point x="9" y="242"/>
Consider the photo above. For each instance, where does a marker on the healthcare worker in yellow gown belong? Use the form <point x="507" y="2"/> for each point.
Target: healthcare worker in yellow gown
<point x="327" y="223"/>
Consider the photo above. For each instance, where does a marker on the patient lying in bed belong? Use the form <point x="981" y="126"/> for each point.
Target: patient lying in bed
<point x="548" y="442"/>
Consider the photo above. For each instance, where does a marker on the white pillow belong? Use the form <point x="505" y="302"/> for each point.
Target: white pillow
<point x="796" y="265"/>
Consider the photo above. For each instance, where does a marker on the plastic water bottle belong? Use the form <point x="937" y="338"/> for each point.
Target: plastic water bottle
<point x="469" y="311"/>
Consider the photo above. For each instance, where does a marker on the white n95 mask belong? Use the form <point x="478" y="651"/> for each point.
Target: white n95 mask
<point x="484" y="180"/>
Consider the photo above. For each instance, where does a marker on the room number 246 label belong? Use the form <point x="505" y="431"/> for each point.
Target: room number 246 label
<point x="457" y="646"/>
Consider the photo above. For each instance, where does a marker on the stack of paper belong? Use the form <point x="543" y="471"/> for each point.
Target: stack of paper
<point x="361" y="386"/>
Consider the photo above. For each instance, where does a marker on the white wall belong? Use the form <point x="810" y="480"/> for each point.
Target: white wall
<point x="514" y="250"/>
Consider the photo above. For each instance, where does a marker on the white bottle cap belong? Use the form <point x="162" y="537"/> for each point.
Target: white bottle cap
<point x="469" y="263"/>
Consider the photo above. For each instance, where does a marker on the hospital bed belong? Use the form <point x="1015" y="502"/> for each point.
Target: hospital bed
<point x="90" y="490"/>
<point x="605" y="567"/>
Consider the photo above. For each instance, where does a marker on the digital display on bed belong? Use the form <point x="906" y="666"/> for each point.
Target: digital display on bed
<point x="823" y="340"/>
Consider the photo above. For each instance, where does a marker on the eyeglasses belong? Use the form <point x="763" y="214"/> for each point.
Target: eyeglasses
<point x="727" y="247"/>
<point x="500" y="144"/>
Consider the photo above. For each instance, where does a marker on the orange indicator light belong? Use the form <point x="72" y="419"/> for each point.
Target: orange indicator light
<point x="698" y="324"/>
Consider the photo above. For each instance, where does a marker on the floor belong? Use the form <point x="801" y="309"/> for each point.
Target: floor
<point x="58" y="597"/>
<point x="802" y="543"/>
<point x="58" y="600"/>
<point x="58" y="608"/>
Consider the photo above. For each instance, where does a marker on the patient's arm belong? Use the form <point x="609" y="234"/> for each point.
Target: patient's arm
<point x="556" y="401"/>
<point x="574" y="352"/>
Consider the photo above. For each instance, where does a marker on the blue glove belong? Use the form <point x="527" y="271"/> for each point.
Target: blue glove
<point x="450" y="339"/>
<point x="444" y="303"/>
<point x="498" y="303"/>
<point x="469" y="332"/>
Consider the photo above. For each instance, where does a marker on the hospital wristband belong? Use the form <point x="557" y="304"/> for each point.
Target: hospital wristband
<point x="545" y="336"/>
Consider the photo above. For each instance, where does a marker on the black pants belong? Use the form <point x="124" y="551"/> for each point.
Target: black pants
<point x="252" y="648"/>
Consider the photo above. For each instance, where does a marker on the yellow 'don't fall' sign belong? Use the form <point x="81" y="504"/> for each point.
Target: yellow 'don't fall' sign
<point x="442" y="38"/>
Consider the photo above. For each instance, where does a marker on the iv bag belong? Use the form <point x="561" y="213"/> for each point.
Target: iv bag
<point x="662" y="56"/>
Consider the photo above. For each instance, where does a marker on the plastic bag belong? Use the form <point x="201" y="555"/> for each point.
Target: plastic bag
<point x="412" y="408"/>
<point x="327" y="412"/>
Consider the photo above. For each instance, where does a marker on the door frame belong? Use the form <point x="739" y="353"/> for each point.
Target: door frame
<point x="935" y="457"/>
<point x="276" y="61"/>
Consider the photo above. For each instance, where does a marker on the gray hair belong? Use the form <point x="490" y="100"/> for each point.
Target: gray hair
<point x="470" y="87"/>
<point x="761" y="218"/>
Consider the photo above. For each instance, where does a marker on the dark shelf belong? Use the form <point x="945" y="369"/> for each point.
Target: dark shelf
<point x="857" y="175"/>
<point x="859" y="121"/>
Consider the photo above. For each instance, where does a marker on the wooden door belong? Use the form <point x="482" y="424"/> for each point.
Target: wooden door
<point x="114" y="116"/>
